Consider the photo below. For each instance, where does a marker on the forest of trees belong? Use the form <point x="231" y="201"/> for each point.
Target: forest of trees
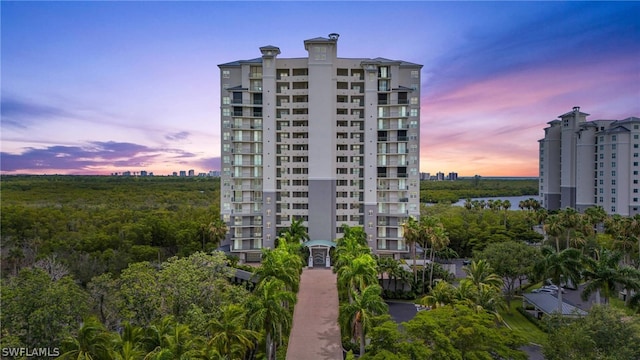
<point x="126" y="268"/>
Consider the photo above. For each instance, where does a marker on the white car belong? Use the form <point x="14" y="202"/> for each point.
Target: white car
<point x="552" y="287"/>
<point x="544" y="290"/>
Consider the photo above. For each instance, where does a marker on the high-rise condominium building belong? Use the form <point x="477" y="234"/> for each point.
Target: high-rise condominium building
<point x="322" y="139"/>
<point x="591" y="163"/>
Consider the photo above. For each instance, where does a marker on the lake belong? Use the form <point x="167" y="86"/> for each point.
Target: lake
<point x="514" y="200"/>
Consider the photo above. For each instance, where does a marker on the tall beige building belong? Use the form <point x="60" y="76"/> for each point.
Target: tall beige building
<point x="324" y="139"/>
<point x="591" y="163"/>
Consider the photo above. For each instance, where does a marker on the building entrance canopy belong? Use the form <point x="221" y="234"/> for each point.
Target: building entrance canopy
<point x="319" y="252"/>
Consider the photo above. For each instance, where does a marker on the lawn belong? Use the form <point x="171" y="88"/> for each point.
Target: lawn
<point x="522" y="326"/>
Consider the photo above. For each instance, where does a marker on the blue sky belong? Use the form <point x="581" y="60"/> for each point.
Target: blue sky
<point x="102" y="87"/>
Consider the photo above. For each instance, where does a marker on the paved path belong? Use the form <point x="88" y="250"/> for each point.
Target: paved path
<point x="315" y="334"/>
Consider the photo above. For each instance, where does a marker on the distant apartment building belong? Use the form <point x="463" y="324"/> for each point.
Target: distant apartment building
<point x="588" y="163"/>
<point x="452" y="176"/>
<point x="324" y="139"/>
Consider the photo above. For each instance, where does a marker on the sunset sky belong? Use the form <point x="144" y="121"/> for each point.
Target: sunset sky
<point x="103" y="87"/>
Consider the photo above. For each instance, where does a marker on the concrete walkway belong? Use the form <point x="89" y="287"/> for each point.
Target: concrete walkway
<point x="316" y="334"/>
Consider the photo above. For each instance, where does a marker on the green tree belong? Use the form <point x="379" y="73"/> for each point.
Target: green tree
<point x="604" y="334"/>
<point x="559" y="267"/>
<point x="356" y="316"/>
<point x="512" y="261"/>
<point x="458" y="332"/>
<point x="230" y="336"/>
<point x="281" y="263"/>
<point x="480" y="272"/>
<point x="358" y="275"/>
<point x="40" y="311"/>
<point x="267" y="312"/>
<point x="296" y="232"/>
<point x="411" y="232"/>
<point x="604" y="273"/>
<point x="93" y="342"/>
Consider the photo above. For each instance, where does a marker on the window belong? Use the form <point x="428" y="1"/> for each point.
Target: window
<point x="416" y="74"/>
<point x="413" y="112"/>
<point x="226" y="74"/>
<point x="226" y="112"/>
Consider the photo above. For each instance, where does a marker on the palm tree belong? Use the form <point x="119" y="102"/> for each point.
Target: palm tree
<point x="229" y="335"/>
<point x="283" y="264"/>
<point x="604" y="273"/>
<point x="348" y="248"/>
<point x="355" y="317"/>
<point x="296" y="232"/>
<point x="176" y="342"/>
<point x="570" y="218"/>
<point x="553" y="227"/>
<point x="129" y="344"/>
<point x="411" y="231"/>
<point x="559" y="266"/>
<point x="480" y="272"/>
<point x="267" y="313"/>
<point x="506" y="206"/>
<point x="619" y="228"/>
<point x="442" y="294"/>
<point x="217" y="230"/>
<point x="439" y="240"/>
<point x="93" y="342"/>
<point x="358" y="275"/>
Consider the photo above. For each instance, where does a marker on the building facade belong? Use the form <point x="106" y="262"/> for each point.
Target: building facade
<point x="324" y="139"/>
<point x="590" y="163"/>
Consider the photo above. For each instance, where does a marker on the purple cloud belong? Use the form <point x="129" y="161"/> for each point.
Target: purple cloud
<point x="84" y="159"/>
<point x="182" y="135"/>
<point x="21" y="113"/>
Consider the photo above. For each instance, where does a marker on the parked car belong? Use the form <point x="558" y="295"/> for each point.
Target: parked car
<point x="466" y="262"/>
<point x="552" y="287"/>
<point x="544" y="290"/>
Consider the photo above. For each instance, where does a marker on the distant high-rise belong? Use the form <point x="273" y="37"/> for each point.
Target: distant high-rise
<point x="324" y="139"/>
<point x="588" y="163"/>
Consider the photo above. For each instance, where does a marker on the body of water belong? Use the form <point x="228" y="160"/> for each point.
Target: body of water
<point x="514" y="200"/>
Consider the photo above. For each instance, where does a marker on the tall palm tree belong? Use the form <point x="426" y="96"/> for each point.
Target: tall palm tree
<point x="570" y="218"/>
<point x="348" y="248"/>
<point x="439" y="240"/>
<point x="229" y="335"/>
<point x="267" y="313"/>
<point x="559" y="266"/>
<point x="506" y="205"/>
<point x="619" y="228"/>
<point x="280" y="263"/>
<point x="217" y="230"/>
<point x="296" y="232"/>
<point x="411" y="232"/>
<point x="604" y="273"/>
<point x="553" y="227"/>
<point x="358" y="275"/>
<point x="93" y="342"/>
<point x="355" y="317"/>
